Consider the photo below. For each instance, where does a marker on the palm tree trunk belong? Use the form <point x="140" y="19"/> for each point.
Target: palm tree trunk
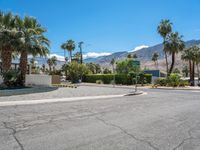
<point x="198" y="71"/>
<point x="65" y="56"/>
<point x="172" y="65"/>
<point x="190" y="68"/>
<point x="166" y="60"/>
<point x="23" y="66"/>
<point x="70" y="52"/>
<point x="6" y="57"/>
<point x="193" y="74"/>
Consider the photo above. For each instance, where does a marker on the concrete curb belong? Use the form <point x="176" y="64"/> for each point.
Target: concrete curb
<point x="189" y="89"/>
<point x="134" y="93"/>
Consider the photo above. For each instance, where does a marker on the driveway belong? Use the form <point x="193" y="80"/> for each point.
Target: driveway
<point x="159" y="120"/>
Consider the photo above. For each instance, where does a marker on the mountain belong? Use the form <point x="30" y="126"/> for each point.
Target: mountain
<point x="144" y="55"/>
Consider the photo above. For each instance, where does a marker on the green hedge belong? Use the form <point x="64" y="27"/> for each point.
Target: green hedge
<point x="119" y="78"/>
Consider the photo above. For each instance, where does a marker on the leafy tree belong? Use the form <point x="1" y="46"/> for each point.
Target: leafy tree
<point x="129" y="56"/>
<point x="126" y="66"/>
<point x="69" y="46"/>
<point x="94" y="68"/>
<point x="107" y="71"/>
<point x="76" y="71"/>
<point x="174" y="44"/>
<point x="164" y="29"/>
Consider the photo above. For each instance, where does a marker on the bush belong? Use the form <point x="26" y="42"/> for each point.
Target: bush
<point x="75" y="71"/>
<point x="173" y="80"/>
<point x="123" y="79"/>
<point x="99" y="82"/>
<point x="11" y="78"/>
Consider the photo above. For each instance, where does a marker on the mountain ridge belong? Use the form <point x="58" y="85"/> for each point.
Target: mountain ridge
<point x="144" y="54"/>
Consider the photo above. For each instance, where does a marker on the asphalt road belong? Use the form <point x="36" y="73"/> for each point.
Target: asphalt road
<point x="159" y="120"/>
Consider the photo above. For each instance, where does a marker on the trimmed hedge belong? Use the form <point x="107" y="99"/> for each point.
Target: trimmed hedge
<point x="119" y="78"/>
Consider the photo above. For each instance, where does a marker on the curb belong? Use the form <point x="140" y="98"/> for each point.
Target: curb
<point x="177" y="89"/>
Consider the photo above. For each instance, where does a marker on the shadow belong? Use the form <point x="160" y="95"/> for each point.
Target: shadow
<point x="26" y="90"/>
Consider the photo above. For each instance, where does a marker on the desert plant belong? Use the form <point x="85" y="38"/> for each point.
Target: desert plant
<point x="11" y="78"/>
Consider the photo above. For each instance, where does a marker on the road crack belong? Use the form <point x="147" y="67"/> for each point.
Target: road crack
<point x="190" y="137"/>
<point x="14" y="135"/>
<point x="127" y="133"/>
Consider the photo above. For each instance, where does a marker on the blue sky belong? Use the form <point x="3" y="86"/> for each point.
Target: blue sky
<point x="109" y="25"/>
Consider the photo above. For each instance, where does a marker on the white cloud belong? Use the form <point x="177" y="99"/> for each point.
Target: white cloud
<point x="59" y="57"/>
<point x="94" y="55"/>
<point x="139" y="48"/>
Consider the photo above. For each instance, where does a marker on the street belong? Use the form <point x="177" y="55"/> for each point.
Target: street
<point x="157" y="120"/>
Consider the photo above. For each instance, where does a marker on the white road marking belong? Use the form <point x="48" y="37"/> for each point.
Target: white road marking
<point x="43" y="101"/>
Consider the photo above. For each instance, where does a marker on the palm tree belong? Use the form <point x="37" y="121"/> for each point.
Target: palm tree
<point x="197" y="60"/>
<point x="189" y="55"/>
<point x="155" y="59"/>
<point x="34" y="42"/>
<point x="9" y="38"/>
<point x="50" y="63"/>
<point x="69" y="46"/>
<point x="81" y="52"/>
<point x="129" y="56"/>
<point x="174" y="44"/>
<point x="164" y="29"/>
<point x="54" y="61"/>
<point x="77" y="56"/>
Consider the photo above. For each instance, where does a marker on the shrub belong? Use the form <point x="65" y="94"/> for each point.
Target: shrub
<point x="173" y="80"/>
<point x="119" y="78"/>
<point x="99" y="82"/>
<point x="11" y="78"/>
<point x="161" y="82"/>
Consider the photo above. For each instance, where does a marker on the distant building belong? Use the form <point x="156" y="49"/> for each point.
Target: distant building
<point x="156" y="73"/>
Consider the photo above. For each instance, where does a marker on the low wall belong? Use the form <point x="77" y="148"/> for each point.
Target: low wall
<point x="38" y="79"/>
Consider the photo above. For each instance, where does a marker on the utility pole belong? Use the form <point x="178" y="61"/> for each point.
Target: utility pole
<point x="80" y="46"/>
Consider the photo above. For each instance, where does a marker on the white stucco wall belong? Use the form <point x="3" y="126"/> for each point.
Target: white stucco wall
<point x="38" y="79"/>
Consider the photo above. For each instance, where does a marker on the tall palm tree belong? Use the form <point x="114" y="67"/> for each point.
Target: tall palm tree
<point x="189" y="55"/>
<point x="34" y="42"/>
<point x="69" y="46"/>
<point x="155" y="59"/>
<point x="165" y="28"/>
<point x="9" y="39"/>
<point x="174" y="44"/>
